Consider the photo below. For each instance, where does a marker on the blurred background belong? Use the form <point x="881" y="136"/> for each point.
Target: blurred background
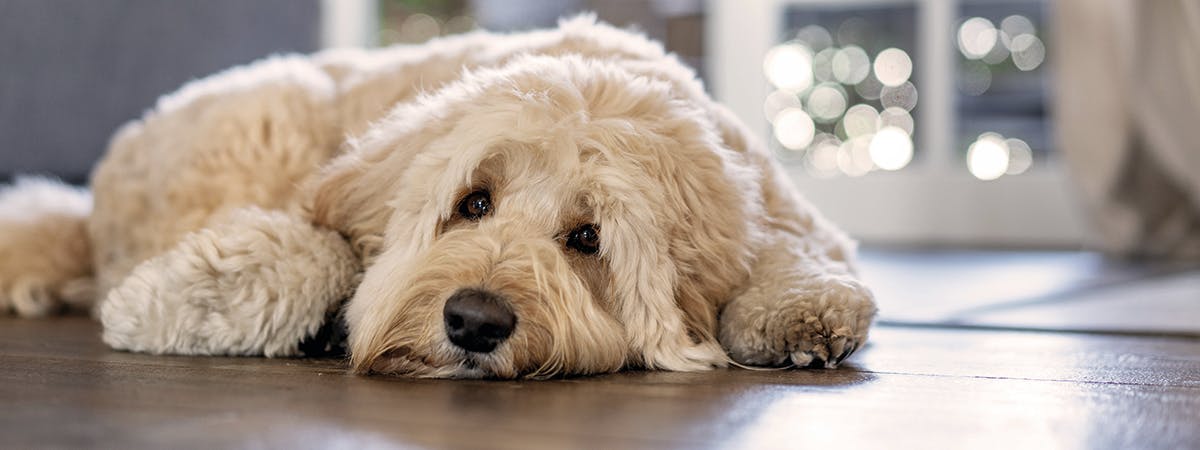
<point x="1053" y="134"/>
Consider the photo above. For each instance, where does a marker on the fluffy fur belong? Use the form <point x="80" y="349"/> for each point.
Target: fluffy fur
<point x="45" y="259"/>
<point x="232" y="217"/>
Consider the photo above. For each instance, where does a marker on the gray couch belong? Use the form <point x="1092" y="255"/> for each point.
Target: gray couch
<point x="71" y="71"/>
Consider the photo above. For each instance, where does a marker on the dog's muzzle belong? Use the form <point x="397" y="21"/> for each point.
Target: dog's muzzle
<point x="478" y="320"/>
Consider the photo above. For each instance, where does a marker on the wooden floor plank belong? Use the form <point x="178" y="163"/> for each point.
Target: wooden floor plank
<point x="911" y="388"/>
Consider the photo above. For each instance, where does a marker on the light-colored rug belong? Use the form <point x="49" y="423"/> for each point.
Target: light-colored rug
<point x="1073" y="291"/>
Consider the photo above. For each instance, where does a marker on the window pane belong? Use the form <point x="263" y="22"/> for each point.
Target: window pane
<point x="1003" y="127"/>
<point x="409" y="22"/>
<point x="844" y="97"/>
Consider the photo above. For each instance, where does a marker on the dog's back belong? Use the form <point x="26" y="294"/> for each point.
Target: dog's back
<point x="249" y="136"/>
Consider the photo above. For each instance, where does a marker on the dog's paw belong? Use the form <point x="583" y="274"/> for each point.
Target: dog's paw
<point x="819" y="323"/>
<point x="257" y="285"/>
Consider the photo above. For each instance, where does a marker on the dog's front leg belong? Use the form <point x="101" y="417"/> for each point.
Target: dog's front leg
<point x="801" y="307"/>
<point x="257" y="284"/>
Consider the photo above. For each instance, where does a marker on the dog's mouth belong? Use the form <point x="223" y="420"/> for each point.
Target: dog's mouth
<point x="471" y="367"/>
<point x="476" y="365"/>
<point x="404" y="362"/>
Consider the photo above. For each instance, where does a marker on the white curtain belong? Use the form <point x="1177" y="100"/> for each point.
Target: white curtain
<point x="1128" y="115"/>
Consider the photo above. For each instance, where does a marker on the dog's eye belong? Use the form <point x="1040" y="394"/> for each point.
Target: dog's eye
<point x="585" y="239"/>
<point x="475" y="205"/>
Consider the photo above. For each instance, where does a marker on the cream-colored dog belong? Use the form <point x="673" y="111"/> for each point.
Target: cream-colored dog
<point x="529" y="205"/>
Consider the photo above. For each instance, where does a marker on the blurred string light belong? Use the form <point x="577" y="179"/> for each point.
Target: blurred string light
<point x="984" y="45"/>
<point x="822" y="158"/>
<point x="851" y="65"/>
<point x="778" y="101"/>
<point x="992" y="156"/>
<point x="815" y="37"/>
<point x="1015" y="25"/>
<point x="819" y="73"/>
<point x="897" y="117"/>
<point x="903" y="96"/>
<point x="420" y="27"/>
<point x="869" y="89"/>
<point x="987" y="157"/>
<point x="794" y="128"/>
<point x="891" y="148"/>
<point x="893" y="67"/>
<point x="459" y="24"/>
<point x="826" y="102"/>
<point x="1028" y="52"/>
<point x="823" y="64"/>
<point x="789" y="67"/>
<point x="860" y="120"/>
<point x="1020" y="156"/>
<point x="854" y="156"/>
<point x="976" y="36"/>
<point x="816" y="76"/>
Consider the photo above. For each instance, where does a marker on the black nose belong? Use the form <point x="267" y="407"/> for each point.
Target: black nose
<point x="478" y="320"/>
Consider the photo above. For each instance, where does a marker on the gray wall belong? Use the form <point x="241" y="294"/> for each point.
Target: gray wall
<point x="71" y="71"/>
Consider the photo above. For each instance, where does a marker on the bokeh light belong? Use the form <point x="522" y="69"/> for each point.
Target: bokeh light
<point x="822" y="156"/>
<point x="893" y="67"/>
<point x="898" y="118"/>
<point x="854" y="157"/>
<point x="987" y="157"/>
<point x="976" y="37"/>
<point x="789" y="66"/>
<point x="822" y="64"/>
<point x="815" y="37"/>
<point x="794" y="129"/>
<point x="778" y="101"/>
<point x="998" y="53"/>
<point x="419" y="28"/>
<point x="847" y="112"/>
<point x="459" y="24"/>
<point x="1028" y="52"/>
<point x="826" y="102"/>
<point x="1016" y="25"/>
<point x="870" y="88"/>
<point x="891" y="148"/>
<point x="1020" y="156"/>
<point x="851" y="65"/>
<point x="860" y="120"/>
<point x="903" y="96"/>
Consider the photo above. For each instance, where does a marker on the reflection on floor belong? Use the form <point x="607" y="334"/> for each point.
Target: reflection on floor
<point x="1128" y="377"/>
<point x="1064" y="291"/>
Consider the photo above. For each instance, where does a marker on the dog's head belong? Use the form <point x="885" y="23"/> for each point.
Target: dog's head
<point x="558" y="215"/>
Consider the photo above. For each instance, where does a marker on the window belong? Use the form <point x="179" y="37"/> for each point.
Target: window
<point x="905" y="121"/>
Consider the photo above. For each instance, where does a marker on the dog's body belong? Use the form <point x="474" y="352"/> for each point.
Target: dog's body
<point x="571" y="202"/>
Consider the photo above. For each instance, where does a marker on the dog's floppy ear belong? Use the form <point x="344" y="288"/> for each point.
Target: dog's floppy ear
<point x="350" y="198"/>
<point x="354" y="194"/>
<point x="706" y="202"/>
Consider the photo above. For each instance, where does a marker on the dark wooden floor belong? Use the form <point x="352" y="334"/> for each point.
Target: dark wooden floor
<point x="912" y="387"/>
<point x="974" y="350"/>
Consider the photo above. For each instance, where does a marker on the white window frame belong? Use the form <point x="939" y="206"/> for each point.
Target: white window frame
<point x="934" y="200"/>
<point x="349" y="23"/>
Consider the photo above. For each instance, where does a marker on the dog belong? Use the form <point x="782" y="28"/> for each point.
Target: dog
<point x="529" y="205"/>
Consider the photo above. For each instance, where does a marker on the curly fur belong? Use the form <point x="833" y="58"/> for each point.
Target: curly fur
<point x="44" y="252"/>
<point x="232" y="217"/>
